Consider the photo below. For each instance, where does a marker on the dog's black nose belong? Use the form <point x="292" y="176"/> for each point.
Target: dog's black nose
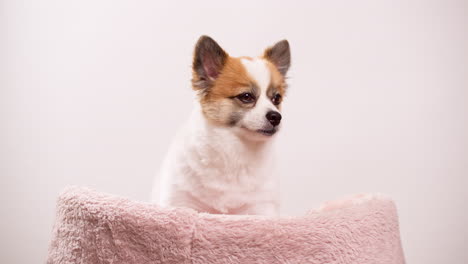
<point x="274" y="117"/>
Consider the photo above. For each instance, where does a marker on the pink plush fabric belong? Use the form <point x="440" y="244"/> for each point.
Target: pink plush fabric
<point x="98" y="228"/>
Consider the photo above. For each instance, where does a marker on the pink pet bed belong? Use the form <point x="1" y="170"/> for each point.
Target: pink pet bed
<point x="92" y="227"/>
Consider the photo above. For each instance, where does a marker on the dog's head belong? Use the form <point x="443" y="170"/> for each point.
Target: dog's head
<point x="243" y="93"/>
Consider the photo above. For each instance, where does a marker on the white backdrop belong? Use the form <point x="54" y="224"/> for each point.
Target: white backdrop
<point x="92" y="92"/>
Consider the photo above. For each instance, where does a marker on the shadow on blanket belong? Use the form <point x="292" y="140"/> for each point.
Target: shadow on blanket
<point x="92" y="227"/>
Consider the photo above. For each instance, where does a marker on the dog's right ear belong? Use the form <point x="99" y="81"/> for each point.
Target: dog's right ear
<point x="208" y="61"/>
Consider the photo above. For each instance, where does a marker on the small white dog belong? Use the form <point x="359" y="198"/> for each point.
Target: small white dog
<point x="221" y="162"/>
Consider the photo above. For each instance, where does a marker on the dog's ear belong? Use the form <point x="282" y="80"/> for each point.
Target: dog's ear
<point x="280" y="55"/>
<point x="208" y="61"/>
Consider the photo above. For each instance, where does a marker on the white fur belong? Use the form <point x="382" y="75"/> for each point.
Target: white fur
<point x="213" y="169"/>
<point x="258" y="70"/>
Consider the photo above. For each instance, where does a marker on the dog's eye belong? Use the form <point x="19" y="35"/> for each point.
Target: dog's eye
<point x="276" y="99"/>
<point x="246" y="98"/>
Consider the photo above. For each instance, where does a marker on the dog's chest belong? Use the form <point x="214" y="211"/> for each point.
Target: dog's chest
<point x="227" y="169"/>
<point x="224" y="183"/>
<point x="215" y="168"/>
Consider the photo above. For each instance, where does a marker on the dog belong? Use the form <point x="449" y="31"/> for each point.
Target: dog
<point x="222" y="161"/>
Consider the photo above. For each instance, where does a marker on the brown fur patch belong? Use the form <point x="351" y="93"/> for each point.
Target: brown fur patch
<point x="277" y="83"/>
<point x="217" y="102"/>
<point x="232" y="81"/>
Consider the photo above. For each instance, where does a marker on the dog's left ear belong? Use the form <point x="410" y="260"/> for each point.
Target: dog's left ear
<point x="280" y="55"/>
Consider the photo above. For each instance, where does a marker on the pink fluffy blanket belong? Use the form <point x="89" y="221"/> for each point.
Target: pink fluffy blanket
<point x="92" y="227"/>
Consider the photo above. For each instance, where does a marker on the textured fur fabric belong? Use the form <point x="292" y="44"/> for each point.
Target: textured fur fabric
<point x="98" y="228"/>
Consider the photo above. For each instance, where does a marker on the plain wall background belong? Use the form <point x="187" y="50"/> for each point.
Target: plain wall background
<point x="92" y="92"/>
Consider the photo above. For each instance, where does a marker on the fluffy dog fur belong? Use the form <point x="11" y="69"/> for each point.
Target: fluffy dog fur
<point x="221" y="161"/>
